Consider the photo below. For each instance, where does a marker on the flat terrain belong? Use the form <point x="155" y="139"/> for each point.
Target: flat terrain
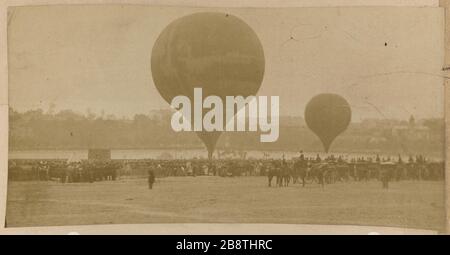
<point x="206" y="199"/>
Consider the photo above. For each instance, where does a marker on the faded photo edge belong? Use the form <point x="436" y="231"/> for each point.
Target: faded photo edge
<point x="191" y="228"/>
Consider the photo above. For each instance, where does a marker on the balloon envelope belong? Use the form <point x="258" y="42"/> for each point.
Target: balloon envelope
<point x="217" y="52"/>
<point x="327" y="115"/>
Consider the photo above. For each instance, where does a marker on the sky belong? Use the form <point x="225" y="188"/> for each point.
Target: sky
<point x="385" y="61"/>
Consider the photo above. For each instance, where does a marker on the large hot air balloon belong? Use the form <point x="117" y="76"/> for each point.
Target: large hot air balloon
<point x="327" y="115"/>
<point x="217" y="52"/>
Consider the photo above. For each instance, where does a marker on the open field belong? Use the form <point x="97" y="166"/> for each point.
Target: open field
<point x="207" y="199"/>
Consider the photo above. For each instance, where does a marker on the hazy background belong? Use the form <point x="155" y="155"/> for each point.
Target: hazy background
<point x="385" y="61"/>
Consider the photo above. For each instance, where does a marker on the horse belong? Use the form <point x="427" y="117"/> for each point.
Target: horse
<point x="272" y="172"/>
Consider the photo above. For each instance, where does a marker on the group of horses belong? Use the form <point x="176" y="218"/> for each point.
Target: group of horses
<point x="307" y="172"/>
<point x="285" y="173"/>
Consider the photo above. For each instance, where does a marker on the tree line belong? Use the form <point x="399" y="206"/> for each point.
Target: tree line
<point x="66" y="129"/>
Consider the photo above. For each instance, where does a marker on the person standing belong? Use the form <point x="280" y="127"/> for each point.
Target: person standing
<point x="318" y="159"/>
<point x="151" y="179"/>
<point x="302" y="157"/>
<point x="384" y="177"/>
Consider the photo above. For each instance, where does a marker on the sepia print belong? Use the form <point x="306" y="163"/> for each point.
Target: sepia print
<point x="138" y="114"/>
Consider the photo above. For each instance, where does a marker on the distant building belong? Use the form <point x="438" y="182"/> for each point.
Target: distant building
<point x="411" y="132"/>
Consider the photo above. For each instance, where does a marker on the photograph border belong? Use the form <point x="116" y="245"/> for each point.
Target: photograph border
<point x="207" y="228"/>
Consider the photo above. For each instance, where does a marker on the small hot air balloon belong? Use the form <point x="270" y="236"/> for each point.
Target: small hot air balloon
<point x="327" y="115"/>
<point x="217" y="52"/>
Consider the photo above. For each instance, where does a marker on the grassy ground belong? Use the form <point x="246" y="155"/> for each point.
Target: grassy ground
<point x="411" y="204"/>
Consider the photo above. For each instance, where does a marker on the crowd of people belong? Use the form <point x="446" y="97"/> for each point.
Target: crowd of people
<point x="63" y="171"/>
<point x="279" y="172"/>
<point x="333" y="169"/>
